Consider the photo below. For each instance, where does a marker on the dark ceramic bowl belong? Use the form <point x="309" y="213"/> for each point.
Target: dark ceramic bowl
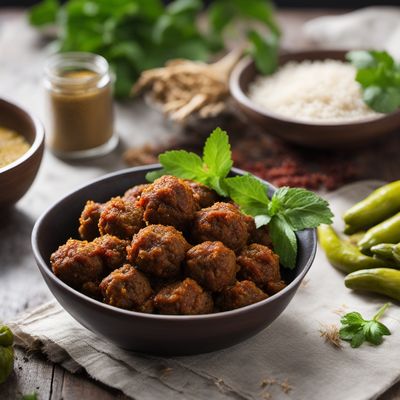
<point x="151" y="333"/>
<point x="17" y="177"/>
<point x="319" y="135"/>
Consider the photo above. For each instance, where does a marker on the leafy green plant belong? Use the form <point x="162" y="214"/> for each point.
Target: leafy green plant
<point x="356" y="330"/>
<point x="289" y="210"/>
<point x="135" y="35"/>
<point x="379" y="77"/>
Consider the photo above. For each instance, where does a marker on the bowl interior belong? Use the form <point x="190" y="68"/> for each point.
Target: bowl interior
<point x="60" y="222"/>
<point x="16" y="119"/>
<point x="248" y="71"/>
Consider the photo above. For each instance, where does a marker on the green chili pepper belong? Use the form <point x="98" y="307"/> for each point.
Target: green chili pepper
<point x="6" y="353"/>
<point x="344" y="255"/>
<point x="384" y="281"/>
<point x="386" y="251"/>
<point x="378" y="206"/>
<point x="387" y="231"/>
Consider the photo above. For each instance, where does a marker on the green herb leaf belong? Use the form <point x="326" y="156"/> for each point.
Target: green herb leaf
<point x="211" y="170"/>
<point x="284" y="241"/>
<point x="249" y="193"/>
<point x="32" y="396"/>
<point x="153" y="175"/>
<point x="264" y="50"/>
<point x="301" y="208"/>
<point x="379" y="77"/>
<point x="183" y="164"/>
<point x="135" y="35"/>
<point x="356" y="330"/>
<point x="217" y="153"/>
<point x="44" y="13"/>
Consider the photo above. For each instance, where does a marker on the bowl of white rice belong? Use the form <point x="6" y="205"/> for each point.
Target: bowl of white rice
<point x="312" y="99"/>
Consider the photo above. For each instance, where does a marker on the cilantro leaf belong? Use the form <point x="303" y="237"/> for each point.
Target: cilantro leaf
<point x="356" y="330"/>
<point x="301" y="208"/>
<point x="217" y="153"/>
<point x="249" y="193"/>
<point x="284" y="241"/>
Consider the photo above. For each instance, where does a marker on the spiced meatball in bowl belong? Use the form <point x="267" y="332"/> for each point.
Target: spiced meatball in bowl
<point x="167" y="268"/>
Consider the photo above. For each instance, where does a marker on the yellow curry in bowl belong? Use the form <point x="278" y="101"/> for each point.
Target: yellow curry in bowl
<point x="12" y="146"/>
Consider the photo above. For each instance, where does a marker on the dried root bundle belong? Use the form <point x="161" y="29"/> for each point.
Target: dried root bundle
<point x="184" y="87"/>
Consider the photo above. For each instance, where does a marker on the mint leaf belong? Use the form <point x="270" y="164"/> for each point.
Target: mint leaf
<point x="183" y="164"/>
<point x="361" y="59"/>
<point x="217" y="153"/>
<point x="261" y="220"/>
<point x="249" y="193"/>
<point x="284" y="241"/>
<point x="378" y="75"/>
<point x="356" y="330"/>
<point x="44" y="13"/>
<point x="210" y="171"/>
<point x="301" y="208"/>
<point x="382" y="100"/>
<point x="153" y="175"/>
<point x="264" y="50"/>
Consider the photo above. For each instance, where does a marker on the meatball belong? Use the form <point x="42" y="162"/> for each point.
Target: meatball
<point x="168" y="201"/>
<point x="77" y="262"/>
<point x="212" y="265"/>
<point x="259" y="264"/>
<point x="112" y="250"/>
<point x="127" y="288"/>
<point x="158" y="250"/>
<point x="221" y="222"/>
<point x="261" y="236"/>
<point x="92" y="290"/>
<point x="204" y="196"/>
<point x="185" y="297"/>
<point x="135" y="192"/>
<point x="89" y="220"/>
<point x="120" y="218"/>
<point x="241" y="294"/>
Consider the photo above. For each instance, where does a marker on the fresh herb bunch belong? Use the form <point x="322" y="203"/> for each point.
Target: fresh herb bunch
<point x="356" y="330"/>
<point x="136" y="35"/>
<point x="379" y="77"/>
<point x="289" y="210"/>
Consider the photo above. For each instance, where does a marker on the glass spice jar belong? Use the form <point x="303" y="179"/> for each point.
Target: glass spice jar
<point x="79" y="92"/>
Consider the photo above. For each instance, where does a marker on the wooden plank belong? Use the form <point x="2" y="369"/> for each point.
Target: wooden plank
<point x="79" y="387"/>
<point x="31" y="374"/>
<point x="57" y="383"/>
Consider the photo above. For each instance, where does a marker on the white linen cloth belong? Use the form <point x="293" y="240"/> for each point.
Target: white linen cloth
<point x="367" y="28"/>
<point x="288" y="360"/>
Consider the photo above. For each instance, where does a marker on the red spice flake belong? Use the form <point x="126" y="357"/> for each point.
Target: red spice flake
<point x="271" y="159"/>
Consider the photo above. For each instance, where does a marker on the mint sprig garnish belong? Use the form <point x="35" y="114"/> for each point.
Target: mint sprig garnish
<point x="289" y="210"/>
<point x="356" y="330"/>
<point x="209" y="170"/>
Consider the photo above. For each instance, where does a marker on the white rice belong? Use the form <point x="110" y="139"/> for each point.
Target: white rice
<point x="312" y="91"/>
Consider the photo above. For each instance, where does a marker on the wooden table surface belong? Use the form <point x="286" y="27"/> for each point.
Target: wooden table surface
<point x="22" y="53"/>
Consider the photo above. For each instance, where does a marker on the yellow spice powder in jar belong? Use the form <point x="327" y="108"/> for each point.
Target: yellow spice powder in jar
<point x="12" y="146"/>
<point x="80" y="100"/>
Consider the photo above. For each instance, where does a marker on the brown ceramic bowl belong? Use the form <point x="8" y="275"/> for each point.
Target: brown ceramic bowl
<point x="320" y="135"/>
<point x="17" y="177"/>
<point x="151" y="333"/>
